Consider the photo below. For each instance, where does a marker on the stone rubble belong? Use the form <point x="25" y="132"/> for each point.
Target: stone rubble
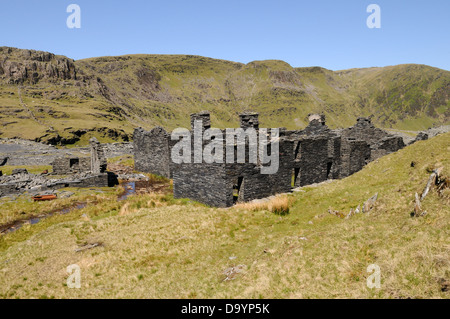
<point x="92" y="175"/>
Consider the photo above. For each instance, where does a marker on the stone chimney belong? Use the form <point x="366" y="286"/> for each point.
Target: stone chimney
<point x="364" y="122"/>
<point x="249" y="119"/>
<point x="98" y="160"/>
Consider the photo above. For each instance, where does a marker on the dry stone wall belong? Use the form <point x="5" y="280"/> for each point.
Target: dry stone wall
<point x="71" y="165"/>
<point x="151" y="151"/>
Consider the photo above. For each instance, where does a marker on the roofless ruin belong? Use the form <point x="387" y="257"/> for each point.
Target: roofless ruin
<point x="307" y="156"/>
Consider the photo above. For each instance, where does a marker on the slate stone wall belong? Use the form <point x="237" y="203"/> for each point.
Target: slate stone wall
<point x="354" y="156"/>
<point x="316" y="127"/>
<point x="313" y="160"/>
<point x="71" y="165"/>
<point x="100" y="180"/>
<point x="386" y="146"/>
<point x="376" y="138"/>
<point x="222" y="184"/>
<point x="7" y="189"/>
<point x="392" y="144"/>
<point x="151" y="151"/>
<point x="334" y="157"/>
<point x="316" y="152"/>
<point x="205" y="183"/>
<point x="253" y="184"/>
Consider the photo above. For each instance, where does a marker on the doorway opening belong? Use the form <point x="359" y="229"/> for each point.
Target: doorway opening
<point x="237" y="189"/>
<point x="74" y="162"/>
<point x="329" y="167"/>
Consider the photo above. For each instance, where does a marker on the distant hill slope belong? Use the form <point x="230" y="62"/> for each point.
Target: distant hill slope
<point x="55" y="99"/>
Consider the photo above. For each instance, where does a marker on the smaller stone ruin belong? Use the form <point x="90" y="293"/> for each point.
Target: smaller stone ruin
<point x="95" y="164"/>
<point x="77" y="172"/>
<point x="312" y="155"/>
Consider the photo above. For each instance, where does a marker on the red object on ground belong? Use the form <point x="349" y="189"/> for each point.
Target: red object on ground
<point x="44" y="197"/>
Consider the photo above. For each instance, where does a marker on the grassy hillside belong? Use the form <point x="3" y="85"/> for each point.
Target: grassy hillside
<point x="157" y="247"/>
<point x="58" y="100"/>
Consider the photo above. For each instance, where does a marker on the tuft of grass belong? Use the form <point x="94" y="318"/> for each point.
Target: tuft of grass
<point x="279" y="205"/>
<point x="125" y="210"/>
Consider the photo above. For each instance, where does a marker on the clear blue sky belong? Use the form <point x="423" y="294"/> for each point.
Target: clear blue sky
<point x="328" y="33"/>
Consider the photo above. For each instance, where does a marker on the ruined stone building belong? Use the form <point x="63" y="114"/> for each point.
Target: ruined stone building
<point x="71" y="165"/>
<point x="78" y="172"/>
<point x="307" y="156"/>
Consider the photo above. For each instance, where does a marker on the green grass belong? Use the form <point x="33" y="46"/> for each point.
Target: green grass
<point x="24" y="208"/>
<point x="154" y="246"/>
<point x="125" y="160"/>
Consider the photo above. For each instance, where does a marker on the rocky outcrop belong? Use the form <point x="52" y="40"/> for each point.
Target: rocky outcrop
<point x="29" y="66"/>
